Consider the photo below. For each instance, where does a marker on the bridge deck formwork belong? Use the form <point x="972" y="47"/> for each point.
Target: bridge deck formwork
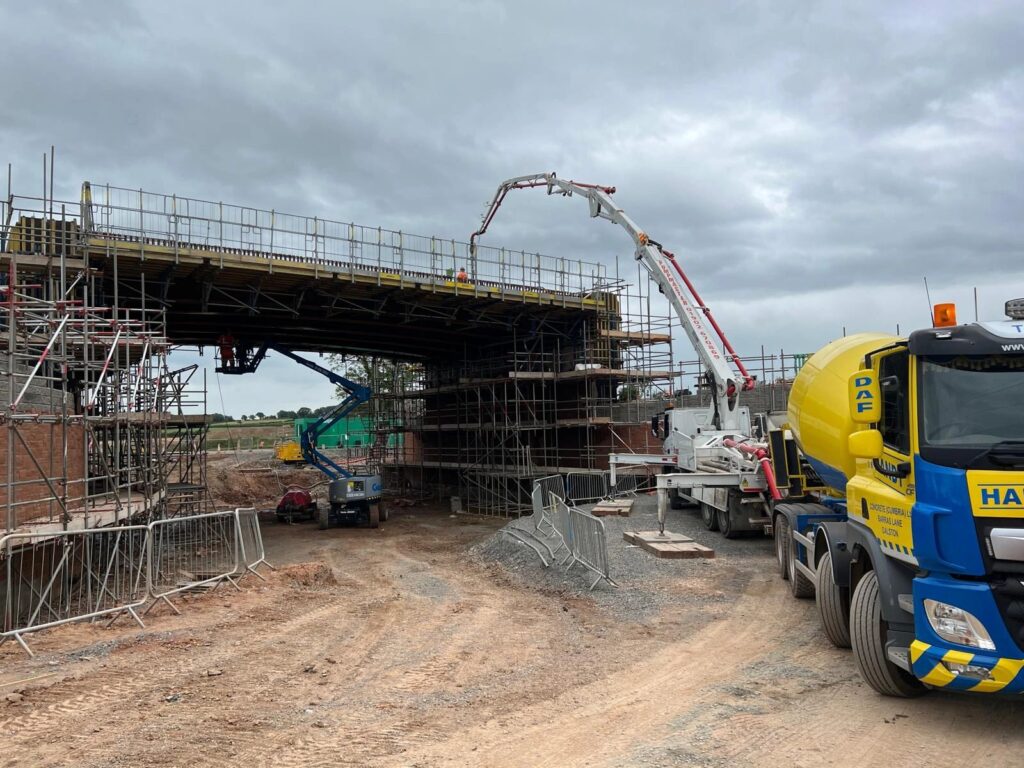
<point x="528" y="365"/>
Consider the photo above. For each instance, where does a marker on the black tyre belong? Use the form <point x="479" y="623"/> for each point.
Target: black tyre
<point x="868" y="634"/>
<point x="800" y="586"/>
<point x="833" y="604"/>
<point x="374" y="516"/>
<point x="781" y="529"/>
<point x="725" y="524"/>
<point x="323" y="518"/>
<point x="709" y="516"/>
<point x="675" y="501"/>
<point x="383" y="513"/>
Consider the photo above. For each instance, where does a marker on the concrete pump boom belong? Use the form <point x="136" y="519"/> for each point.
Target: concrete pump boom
<point x="662" y="266"/>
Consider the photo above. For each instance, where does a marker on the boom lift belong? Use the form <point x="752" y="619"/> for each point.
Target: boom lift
<point x="724" y="470"/>
<point x="352" y="498"/>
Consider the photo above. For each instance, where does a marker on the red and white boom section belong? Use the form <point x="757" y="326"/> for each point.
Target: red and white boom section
<point x="717" y="355"/>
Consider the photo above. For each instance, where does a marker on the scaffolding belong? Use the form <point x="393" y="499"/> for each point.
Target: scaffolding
<point x="538" y="364"/>
<point x="774" y="372"/>
<point x="485" y="423"/>
<point x="97" y="430"/>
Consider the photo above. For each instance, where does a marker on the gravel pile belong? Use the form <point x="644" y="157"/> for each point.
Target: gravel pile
<point x="646" y="584"/>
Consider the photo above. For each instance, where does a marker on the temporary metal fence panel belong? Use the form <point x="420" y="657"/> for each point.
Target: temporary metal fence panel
<point x="590" y="545"/>
<point x="531" y="539"/>
<point x="545" y="491"/>
<point x="250" y="541"/>
<point x="584" y="487"/>
<point x="540" y="516"/>
<point x="552" y="485"/>
<point x="61" y="577"/>
<point x="65" y="576"/>
<point x="631" y="484"/>
<point x="189" y="553"/>
<point x="562" y="524"/>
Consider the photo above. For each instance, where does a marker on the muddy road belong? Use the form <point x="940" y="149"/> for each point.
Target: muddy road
<point x="404" y="647"/>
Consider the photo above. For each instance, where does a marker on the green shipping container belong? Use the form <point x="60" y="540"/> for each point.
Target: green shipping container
<point x="350" y="432"/>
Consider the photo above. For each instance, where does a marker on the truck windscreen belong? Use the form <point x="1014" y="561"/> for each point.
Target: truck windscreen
<point x="970" y="404"/>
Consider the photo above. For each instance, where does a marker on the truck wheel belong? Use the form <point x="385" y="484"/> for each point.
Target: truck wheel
<point x="833" y="607"/>
<point x="868" y="633"/>
<point x="781" y="528"/>
<point x="725" y="523"/>
<point x="675" y="501"/>
<point x="374" y="515"/>
<point x="799" y="585"/>
<point x="709" y="516"/>
<point x="323" y="518"/>
<point x="383" y="513"/>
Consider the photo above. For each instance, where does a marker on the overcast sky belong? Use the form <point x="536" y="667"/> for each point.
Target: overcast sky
<point x="808" y="162"/>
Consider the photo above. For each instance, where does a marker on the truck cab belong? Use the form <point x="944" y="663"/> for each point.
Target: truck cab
<point x="926" y="551"/>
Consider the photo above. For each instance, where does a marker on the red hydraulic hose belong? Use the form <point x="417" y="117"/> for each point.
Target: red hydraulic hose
<point x="766" y="464"/>
<point x="748" y="380"/>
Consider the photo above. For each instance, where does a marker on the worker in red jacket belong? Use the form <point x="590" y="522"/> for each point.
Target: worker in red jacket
<point x="227" y="350"/>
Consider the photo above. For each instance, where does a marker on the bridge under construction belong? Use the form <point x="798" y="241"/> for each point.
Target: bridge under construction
<point x="524" y="365"/>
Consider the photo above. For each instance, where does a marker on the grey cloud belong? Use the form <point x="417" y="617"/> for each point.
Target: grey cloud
<point x="797" y="150"/>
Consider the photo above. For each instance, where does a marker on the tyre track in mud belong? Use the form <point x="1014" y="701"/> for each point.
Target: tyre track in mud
<point x="419" y="657"/>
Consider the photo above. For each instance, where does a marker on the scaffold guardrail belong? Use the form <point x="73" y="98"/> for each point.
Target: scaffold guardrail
<point x="153" y="219"/>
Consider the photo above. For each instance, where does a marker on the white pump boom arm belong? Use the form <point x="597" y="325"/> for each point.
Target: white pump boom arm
<point x="663" y="268"/>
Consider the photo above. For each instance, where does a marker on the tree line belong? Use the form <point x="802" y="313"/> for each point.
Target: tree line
<point x="383" y="376"/>
<point x="301" y="413"/>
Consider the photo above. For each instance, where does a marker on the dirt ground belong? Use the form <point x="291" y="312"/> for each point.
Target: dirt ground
<point x="403" y="646"/>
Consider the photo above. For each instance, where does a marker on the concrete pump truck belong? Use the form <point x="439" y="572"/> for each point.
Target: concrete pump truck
<point x="893" y="485"/>
<point x="724" y="470"/>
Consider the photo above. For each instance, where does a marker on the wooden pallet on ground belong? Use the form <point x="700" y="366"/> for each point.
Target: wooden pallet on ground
<point x="668" y="546"/>
<point x="613" y="508"/>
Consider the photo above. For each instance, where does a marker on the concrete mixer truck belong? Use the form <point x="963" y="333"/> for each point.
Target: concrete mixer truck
<point x="903" y="466"/>
<point x="894" y="485"/>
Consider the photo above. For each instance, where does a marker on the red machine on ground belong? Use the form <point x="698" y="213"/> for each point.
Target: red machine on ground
<point x="297" y="503"/>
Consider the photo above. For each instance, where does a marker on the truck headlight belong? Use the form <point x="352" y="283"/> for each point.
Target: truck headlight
<point x="957" y="625"/>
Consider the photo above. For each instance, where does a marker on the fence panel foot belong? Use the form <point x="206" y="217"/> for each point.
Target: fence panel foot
<point x="24" y="645"/>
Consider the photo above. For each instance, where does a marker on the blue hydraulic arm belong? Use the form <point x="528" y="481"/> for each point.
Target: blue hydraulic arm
<point x="356" y="395"/>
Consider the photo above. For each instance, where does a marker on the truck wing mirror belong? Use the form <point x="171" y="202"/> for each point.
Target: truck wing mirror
<point x="865" y="397"/>
<point x="865" y="444"/>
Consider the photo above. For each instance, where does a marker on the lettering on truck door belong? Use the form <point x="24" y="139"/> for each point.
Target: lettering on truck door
<point x="888" y="498"/>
